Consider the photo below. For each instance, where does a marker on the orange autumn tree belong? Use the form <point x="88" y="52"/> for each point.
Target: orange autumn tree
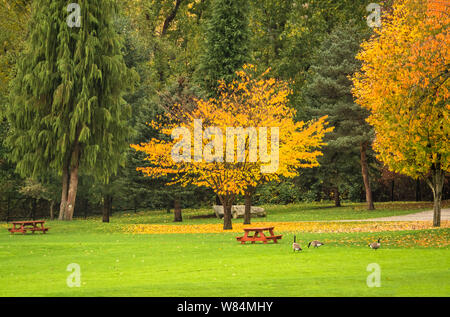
<point x="404" y="83"/>
<point x="233" y="141"/>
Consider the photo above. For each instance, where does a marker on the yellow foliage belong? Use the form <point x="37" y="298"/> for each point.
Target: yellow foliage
<point x="249" y="102"/>
<point x="404" y="83"/>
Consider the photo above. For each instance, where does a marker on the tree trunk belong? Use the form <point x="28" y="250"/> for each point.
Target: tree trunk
<point x="107" y="204"/>
<point x="227" y="225"/>
<point x="86" y="206"/>
<point x="436" y="184"/>
<point x="177" y="211"/>
<point x="418" y="193"/>
<point x="8" y="204"/>
<point x="52" y="203"/>
<point x="65" y="188"/>
<point x="248" y="207"/>
<point x="392" y="189"/>
<point x="365" y="175"/>
<point x="73" y="184"/>
<point x="170" y="18"/>
<point x="72" y="194"/>
<point x="337" y="197"/>
<point x="33" y="210"/>
<point x="169" y="206"/>
<point x="30" y="208"/>
<point x="227" y="203"/>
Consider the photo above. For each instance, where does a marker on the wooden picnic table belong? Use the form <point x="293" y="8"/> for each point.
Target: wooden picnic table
<point x="259" y="235"/>
<point x="23" y="226"/>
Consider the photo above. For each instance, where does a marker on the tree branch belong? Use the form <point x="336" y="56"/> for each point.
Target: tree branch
<point x="171" y="17"/>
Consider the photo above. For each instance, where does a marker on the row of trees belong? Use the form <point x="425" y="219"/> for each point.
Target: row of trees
<point x="77" y="97"/>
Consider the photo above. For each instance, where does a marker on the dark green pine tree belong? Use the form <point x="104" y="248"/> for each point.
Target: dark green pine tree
<point x="67" y="112"/>
<point x="227" y="43"/>
<point x="328" y="92"/>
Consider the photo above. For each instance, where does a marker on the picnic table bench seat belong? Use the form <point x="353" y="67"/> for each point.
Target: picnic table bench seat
<point x="277" y="237"/>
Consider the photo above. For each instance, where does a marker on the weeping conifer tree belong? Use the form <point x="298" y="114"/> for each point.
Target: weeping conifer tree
<point x="67" y="112"/>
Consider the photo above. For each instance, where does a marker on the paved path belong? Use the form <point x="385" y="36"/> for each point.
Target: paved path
<point x="420" y="216"/>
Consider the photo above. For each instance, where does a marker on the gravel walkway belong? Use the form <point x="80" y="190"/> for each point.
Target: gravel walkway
<point x="420" y="216"/>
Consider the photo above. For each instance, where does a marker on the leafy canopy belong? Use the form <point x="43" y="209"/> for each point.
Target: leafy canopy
<point x="250" y="101"/>
<point x="404" y="83"/>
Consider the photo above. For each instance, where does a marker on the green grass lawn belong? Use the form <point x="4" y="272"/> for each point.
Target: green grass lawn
<point x="114" y="263"/>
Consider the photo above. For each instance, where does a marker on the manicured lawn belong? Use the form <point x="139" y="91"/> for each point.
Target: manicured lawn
<point x="115" y="263"/>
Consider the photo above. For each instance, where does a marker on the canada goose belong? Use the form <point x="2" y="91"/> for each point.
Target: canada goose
<point x="296" y="246"/>
<point x="375" y="245"/>
<point x="315" y="244"/>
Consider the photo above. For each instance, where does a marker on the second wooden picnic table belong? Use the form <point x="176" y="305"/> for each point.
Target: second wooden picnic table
<point x="258" y="235"/>
<point x="23" y="226"/>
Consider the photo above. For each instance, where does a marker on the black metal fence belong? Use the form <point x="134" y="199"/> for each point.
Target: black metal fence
<point x="13" y="208"/>
<point x="20" y="208"/>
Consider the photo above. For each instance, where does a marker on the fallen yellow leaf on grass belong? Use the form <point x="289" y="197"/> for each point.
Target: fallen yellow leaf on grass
<point x="318" y="227"/>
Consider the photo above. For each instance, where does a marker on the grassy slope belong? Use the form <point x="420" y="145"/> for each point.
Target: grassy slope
<point x="119" y="264"/>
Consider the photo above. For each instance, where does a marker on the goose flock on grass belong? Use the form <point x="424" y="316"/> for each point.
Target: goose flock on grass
<point x="296" y="246"/>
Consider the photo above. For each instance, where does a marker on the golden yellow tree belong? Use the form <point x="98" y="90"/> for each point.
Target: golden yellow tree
<point x="404" y="83"/>
<point x="223" y="143"/>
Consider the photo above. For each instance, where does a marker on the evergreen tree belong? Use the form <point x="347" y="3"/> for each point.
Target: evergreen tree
<point x="328" y="92"/>
<point x="67" y="112"/>
<point x="227" y="43"/>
